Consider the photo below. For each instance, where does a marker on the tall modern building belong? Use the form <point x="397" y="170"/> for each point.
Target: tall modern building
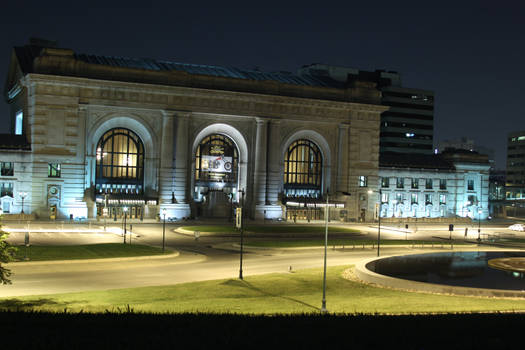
<point x="408" y="125"/>
<point x="515" y="180"/>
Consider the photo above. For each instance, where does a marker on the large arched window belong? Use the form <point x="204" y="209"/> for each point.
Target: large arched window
<point x="120" y="162"/>
<point x="303" y="166"/>
<point x="216" y="160"/>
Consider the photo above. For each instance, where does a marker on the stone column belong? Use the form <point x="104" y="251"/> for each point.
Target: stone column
<point x="342" y="158"/>
<point x="181" y="160"/>
<point x="274" y="158"/>
<point x="166" y="158"/>
<point x="260" y="161"/>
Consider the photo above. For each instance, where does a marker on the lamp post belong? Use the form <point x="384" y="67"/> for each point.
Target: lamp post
<point x="327" y="213"/>
<point x="163" y="229"/>
<point x="22" y="195"/>
<point x="241" y="228"/>
<point x="479" y="224"/>
<point x="378" y="219"/>
<point x="125" y="214"/>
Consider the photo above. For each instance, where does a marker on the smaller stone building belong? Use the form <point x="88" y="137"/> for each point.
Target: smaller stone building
<point x="449" y="184"/>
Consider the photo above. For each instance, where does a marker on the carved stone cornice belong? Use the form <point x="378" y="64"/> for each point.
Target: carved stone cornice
<point x="205" y="100"/>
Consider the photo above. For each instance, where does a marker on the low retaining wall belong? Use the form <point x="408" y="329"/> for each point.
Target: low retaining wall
<point x="368" y="276"/>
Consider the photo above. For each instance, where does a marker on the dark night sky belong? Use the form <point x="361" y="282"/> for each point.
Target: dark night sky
<point x="470" y="53"/>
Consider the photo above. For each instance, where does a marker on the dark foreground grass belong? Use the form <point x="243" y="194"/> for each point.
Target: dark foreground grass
<point x="35" y="330"/>
<point x="89" y="251"/>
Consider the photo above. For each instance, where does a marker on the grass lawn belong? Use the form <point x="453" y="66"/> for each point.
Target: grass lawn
<point x="271" y="228"/>
<point x="342" y="241"/>
<point x="278" y="293"/>
<point x="90" y="251"/>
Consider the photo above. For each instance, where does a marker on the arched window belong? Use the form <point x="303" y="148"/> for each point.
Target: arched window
<point x="303" y="166"/>
<point x="120" y="162"/>
<point x="216" y="160"/>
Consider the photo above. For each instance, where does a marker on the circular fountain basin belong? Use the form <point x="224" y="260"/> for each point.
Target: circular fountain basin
<point x="483" y="273"/>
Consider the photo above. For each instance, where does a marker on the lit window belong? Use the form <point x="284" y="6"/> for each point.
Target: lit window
<point x="415" y="183"/>
<point x="19" y="119"/>
<point x="384" y="198"/>
<point x="409" y="134"/>
<point x="303" y="164"/>
<point x="385" y="182"/>
<point x="442" y="199"/>
<point x="428" y="184"/>
<point x="400" y="182"/>
<point x="53" y="170"/>
<point x="6" y="169"/>
<point x="521" y="138"/>
<point x="413" y="198"/>
<point x="399" y="197"/>
<point x="6" y="189"/>
<point x="363" y="181"/>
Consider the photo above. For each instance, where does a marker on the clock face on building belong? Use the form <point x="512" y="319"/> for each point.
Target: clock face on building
<point x="53" y="190"/>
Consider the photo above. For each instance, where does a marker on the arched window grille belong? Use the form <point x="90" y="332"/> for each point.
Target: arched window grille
<point x="216" y="160"/>
<point x="120" y="162"/>
<point x="303" y="166"/>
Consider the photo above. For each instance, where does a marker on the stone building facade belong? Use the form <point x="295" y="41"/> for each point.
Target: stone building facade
<point x="99" y="135"/>
<point x="454" y="183"/>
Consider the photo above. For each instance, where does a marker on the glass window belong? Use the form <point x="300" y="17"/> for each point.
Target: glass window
<point x="385" y="182"/>
<point x="442" y="184"/>
<point x="428" y="184"/>
<point x="384" y="197"/>
<point x="415" y="183"/>
<point x="6" y="189"/>
<point x="413" y="198"/>
<point x="363" y="181"/>
<point x="400" y="182"/>
<point x="53" y="170"/>
<point x="442" y="199"/>
<point x="6" y="169"/>
<point x="470" y="185"/>
<point x="428" y="199"/>
<point x="120" y="162"/>
<point x="399" y="197"/>
<point x="303" y="164"/>
<point x="19" y="122"/>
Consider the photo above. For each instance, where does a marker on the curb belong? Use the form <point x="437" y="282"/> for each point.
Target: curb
<point x="103" y="260"/>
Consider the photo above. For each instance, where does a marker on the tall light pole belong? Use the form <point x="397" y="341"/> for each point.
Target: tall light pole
<point x="378" y="219"/>
<point x="327" y="213"/>
<point x="163" y="229"/>
<point x="125" y="214"/>
<point x="242" y="236"/>
<point x="22" y="195"/>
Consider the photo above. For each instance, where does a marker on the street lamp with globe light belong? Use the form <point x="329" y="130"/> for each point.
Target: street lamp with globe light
<point x="22" y="195"/>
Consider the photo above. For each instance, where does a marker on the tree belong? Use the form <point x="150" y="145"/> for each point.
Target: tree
<point x="6" y="255"/>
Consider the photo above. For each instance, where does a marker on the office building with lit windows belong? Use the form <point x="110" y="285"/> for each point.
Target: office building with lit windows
<point x="515" y="177"/>
<point x="93" y="135"/>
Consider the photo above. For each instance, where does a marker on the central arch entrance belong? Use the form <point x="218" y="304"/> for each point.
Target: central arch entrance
<point x="216" y="176"/>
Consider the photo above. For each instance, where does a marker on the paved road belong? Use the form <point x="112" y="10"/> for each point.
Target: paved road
<point x="208" y="258"/>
